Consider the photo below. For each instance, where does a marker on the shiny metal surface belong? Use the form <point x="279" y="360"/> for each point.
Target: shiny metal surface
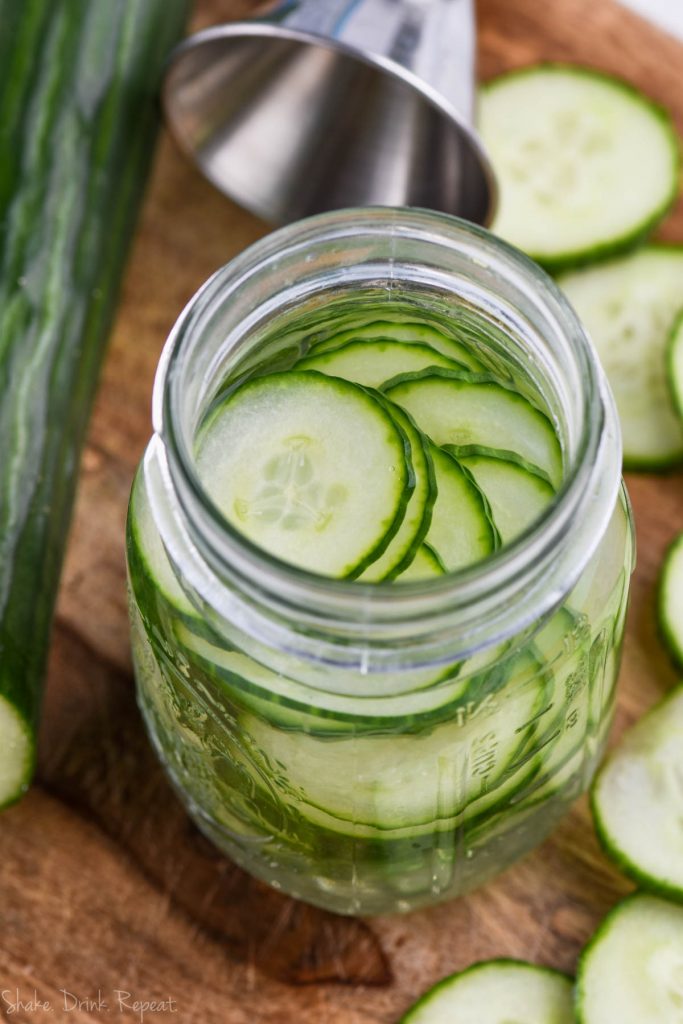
<point x="332" y="103"/>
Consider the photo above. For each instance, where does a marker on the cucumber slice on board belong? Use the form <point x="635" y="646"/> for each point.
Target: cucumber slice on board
<point x="675" y="363"/>
<point x="670" y="599"/>
<point x="311" y="468"/>
<point x="16" y="753"/>
<point x="461" y="531"/>
<point x="458" y="408"/>
<point x="516" y="496"/>
<point x="407" y="332"/>
<point x="630" y="971"/>
<point x="586" y="164"/>
<point x="628" y="306"/>
<point x="498" y="992"/>
<point x="637" y="800"/>
<point x="371" y="363"/>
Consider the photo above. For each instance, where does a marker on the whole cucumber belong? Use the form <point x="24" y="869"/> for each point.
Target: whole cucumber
<point x="78" y="118"/>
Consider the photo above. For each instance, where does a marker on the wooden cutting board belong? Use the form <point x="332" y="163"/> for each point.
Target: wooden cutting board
<point x="104" y="884"/>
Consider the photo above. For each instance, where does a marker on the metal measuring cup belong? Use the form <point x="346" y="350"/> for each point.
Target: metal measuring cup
<point x="323" y="104"/>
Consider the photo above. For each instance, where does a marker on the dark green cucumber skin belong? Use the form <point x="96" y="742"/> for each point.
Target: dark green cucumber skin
<point x="78" y="120"/>
<point x="474" y="968"/>
<point x="631" y="239"/>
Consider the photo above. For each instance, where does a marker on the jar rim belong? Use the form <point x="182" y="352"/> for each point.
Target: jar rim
<point x="462" y="595"/>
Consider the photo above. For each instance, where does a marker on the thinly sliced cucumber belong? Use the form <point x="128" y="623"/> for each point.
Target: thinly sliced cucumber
<point x="425" y="565"/>
<point x="373" y="362"/>
<point x="411" y="698"/>
<point x="147" y="556"/>
<point x="418" y="515"/>
<point x="630" y="972"/>
<point x="466" y="451"/>
<point x="628" y="306"/>
<point x="369" y="363"/>
<point x="563" y="646"/>
<point x="401" y="782"/>
<point x="670" y="599"/>
<point x="593" y="593"/>
<point x="461" y="531"/>
<point x="516" y="497"/>
<point x="515" y="781"/>
<point x="281" y="701"/>
<point x="586" y="164"/>
<point x="675" y="363"/>
<point x="567" y="780"/>
<point x="311" y="468"/>
<point x="637" y="799"/>
<point x="16" y="753"/>
<point x="408" y="332"/>
<point x="465" y="408"/>
<point x="498" y="992"/>
<point x="605" y="657"/>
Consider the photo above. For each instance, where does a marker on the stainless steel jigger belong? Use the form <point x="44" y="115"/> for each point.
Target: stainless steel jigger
<point x="331" y="103"/>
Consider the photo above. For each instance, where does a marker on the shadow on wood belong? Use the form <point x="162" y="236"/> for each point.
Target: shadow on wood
<point x="97" y="760"/>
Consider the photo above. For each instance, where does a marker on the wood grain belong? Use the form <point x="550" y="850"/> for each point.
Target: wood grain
<point x="104" y="884"/>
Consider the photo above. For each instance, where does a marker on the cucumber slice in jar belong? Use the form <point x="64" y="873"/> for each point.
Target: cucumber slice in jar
<point x="628" y="306"/>
<point x="474" y="451"/>
<point x="409" y="333"/>
<point x="425" y="565"/>
<point x="461" y="531"/>
<point x="586" y="164"/>
<point x="670" y="599"/>
<point x="147" y="556"/>
<point x="560" y="739"/>
<point x="675" y="363"/>
<point x="311" y="468"/>
<point x="406" y="784"/>
<point x="463" y="409"/>
<point x="516" y="496"/>
<point x="498" y="793"/>
<point x="498" y="992"/>
<point x="371" y="363"/>
<point x="637" y="800"/>
<point x="412" y="701"/>
<point x="418" y="515"/>
<point x="630" y="972"/>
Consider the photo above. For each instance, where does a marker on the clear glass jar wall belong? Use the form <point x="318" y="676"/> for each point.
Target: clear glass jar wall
<point x="374" y="747"/>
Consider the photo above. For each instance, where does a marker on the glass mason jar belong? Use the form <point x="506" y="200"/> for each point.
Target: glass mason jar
<point x="378" y="747"/>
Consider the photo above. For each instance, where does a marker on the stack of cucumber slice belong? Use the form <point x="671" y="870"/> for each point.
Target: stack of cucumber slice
<point x="590" y="174"/>
<point x="393" y="455"/>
